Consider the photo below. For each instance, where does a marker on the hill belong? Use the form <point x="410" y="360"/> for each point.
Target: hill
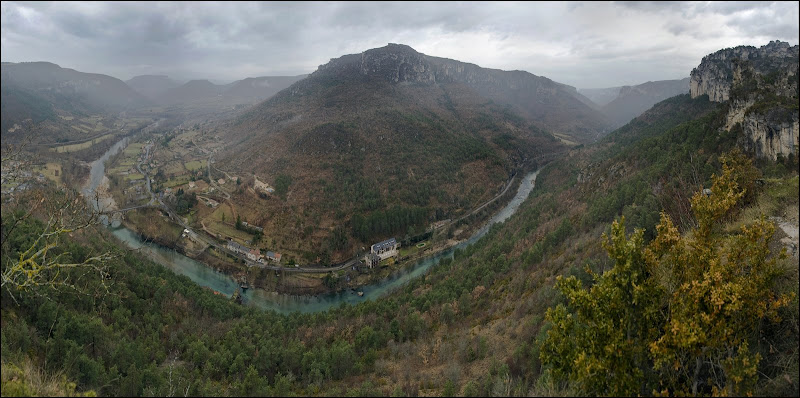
<point x="477" y="324"/>
<point x="202" y="92"/>
<point x="47" y="93"/>
<point x="152" y="86"/>
<point x="600" y="96"/>
<point x="193" y="90"/>
<point x="259" y="88"/>
<point x="373" y="133"/>
<point x="632" y="101"/>
<point x="93" y="90"/>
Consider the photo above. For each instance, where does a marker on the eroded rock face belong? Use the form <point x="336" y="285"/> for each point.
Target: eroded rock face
<point x="761" y="87"/>
<point x="769" y="136"/>
<point x="716" y="73"/>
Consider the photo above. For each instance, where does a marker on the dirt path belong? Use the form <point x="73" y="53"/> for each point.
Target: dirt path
<point x="789" y="226"/>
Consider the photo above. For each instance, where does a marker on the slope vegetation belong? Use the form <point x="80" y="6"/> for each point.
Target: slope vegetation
<point x="359" y="147"/>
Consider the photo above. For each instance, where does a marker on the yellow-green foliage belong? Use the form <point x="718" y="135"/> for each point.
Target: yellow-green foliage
<point x="195" y="164"/>
<point x="28" y="380"/>
<point x="677" y="316"/>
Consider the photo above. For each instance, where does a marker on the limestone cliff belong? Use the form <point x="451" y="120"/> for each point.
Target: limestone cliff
<point x="718" y="72"/>
<point x="760" y="88"/>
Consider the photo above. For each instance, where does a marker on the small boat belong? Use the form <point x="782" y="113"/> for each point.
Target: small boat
<point x="360" y="294"/>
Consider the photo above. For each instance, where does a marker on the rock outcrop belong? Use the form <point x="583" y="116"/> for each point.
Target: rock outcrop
<point x="760" y="86"/>
<point x="718" y="72"/>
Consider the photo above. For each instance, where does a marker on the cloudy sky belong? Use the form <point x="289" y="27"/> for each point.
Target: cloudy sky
<point x="586" y="45"/>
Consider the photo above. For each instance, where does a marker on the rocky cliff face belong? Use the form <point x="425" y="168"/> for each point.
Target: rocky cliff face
<point x="769" y="135"/>
<point x="720" y="71"/>
<point x="760" y="85"/>
<point x="554" y="106"/>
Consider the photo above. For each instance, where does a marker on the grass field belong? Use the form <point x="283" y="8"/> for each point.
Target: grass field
<point x="174" y="182"/>
<point x="228" y="231"/>
<point x="413" y="249"/>
<point x="49" y="171"/>
<point x="225" y="209"/>
<point x="173" y="168"/>
<point x="195" y="164"/>
<point x="134" y="176"/>
<point x="133" y="149"/>
<point x="565" y="139"/>
<point x="118" y="169"/>
<point x="78" y="147"/>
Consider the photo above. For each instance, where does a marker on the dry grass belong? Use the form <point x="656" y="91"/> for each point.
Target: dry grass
<point x="28" y="379"/>
<point x="228" y="231"/>
<point x="52" y="171"/>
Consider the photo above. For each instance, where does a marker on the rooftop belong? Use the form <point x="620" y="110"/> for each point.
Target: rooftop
<point x="385" y="244"/>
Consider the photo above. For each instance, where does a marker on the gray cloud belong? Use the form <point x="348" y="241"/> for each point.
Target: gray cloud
<point x="582" y="44"/>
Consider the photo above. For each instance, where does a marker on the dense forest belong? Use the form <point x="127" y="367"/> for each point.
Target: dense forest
<point x="673" y="291"/>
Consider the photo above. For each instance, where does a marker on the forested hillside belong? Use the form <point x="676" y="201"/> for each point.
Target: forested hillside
<point x="473" y="326"/>
<point x="364" y="157"/>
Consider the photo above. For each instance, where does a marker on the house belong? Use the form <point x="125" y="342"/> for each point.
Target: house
<point x="237" y="248"/>
<point x="261" y="186"/>
<point x="254" y="254"/>
<point x="385" y="249"/>
<point x="272" y="256"/>
<point x="371" y="260"/>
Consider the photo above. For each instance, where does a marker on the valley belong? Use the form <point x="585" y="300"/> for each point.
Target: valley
<point x="283" y="200"/>
<point x="206" y="235"/>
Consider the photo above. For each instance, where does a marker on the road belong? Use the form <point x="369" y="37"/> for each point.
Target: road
<point x="298" y="269"/>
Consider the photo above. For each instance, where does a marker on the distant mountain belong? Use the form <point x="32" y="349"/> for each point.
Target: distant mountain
<point x="152" y="86"/>
<point x="92" y="89"/>
<point x="41" y="90"/>
<point x="549" y="105"/>
<point x="191" y="91"/>
<point x="632" y="101"/>
<point x="600" y="96"/>
<point x="367" y="138"/>
<point x="259" y="88"/>
<point x="246" y="91"/>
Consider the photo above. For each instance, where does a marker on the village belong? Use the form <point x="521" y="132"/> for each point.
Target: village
<point x="174" y="172"/>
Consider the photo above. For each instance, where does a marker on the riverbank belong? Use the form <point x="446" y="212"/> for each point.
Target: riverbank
<point x="151" y="225"/>
<point x="287" y="289"/>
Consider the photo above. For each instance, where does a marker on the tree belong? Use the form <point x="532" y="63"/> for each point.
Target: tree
<point x="37" y="224"/>
<point x="599" y="339"/>
<point x="720" y="290"/>
<point x="676" y="316"/>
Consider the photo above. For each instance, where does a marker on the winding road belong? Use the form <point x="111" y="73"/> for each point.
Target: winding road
<point x="297" y="269"/>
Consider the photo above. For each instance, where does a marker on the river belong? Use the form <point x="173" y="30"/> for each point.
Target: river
<point x="206" y="276"/>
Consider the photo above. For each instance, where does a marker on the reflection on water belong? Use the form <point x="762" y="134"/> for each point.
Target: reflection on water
<point x="206" y="276"/>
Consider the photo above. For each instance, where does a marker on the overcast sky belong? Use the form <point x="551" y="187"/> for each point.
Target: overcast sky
<point x="586" y="45"/>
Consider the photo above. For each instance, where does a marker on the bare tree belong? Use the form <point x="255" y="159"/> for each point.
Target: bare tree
<point x="42" y="261"/>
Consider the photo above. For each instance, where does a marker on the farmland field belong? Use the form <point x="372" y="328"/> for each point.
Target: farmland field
<point x="78" y="147"/>
<point x="49" y="171"/>
<point x="227" y="231"/>
<point x="195" y="164"/>
<point x="174" y="182"/>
